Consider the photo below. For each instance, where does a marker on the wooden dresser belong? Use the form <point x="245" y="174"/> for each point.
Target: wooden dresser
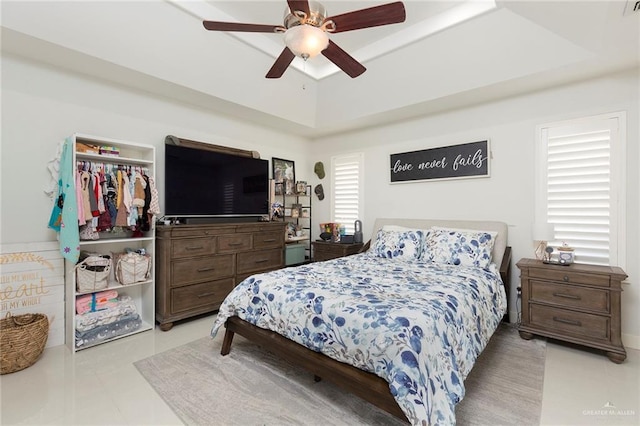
<point x="198" y="265"/>
<point x="575" y="303"/>
<point x="323" y="250"/>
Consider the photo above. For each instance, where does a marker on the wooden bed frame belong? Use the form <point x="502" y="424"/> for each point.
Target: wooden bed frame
<point x="366" y="385"/>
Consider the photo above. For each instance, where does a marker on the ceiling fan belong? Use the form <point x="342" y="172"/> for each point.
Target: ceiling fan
<point x="306" y="31"/>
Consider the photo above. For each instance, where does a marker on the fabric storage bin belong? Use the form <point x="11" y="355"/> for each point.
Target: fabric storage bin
<point x="92" y="273"/>
<point x="294" y="254"/>
<point x="132" y="267"/>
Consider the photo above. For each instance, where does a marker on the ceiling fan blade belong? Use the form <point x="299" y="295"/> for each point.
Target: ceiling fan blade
<point x="343" y="60"/>
<point x="391" y="13"/>
<point x="281" y="64"/>
<point x="301" y="5"/>
<point x="247" y="28"/>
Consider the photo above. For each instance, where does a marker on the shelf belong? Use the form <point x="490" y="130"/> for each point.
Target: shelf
<point x="111" y="159"/>
<point x="297" y="239"/>
<point x="114" y="285"/>
<point x="115" y="240"/>
<point x="145" y="326"/>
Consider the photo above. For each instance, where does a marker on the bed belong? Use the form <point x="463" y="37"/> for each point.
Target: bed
<point x="399" y="324"/>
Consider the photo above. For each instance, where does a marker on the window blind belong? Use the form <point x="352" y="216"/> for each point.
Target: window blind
<point x="581" y="188"/>
<point x="346" y="194"/>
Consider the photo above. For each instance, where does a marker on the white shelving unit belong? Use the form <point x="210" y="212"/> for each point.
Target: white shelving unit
<point x="141" y="293"/>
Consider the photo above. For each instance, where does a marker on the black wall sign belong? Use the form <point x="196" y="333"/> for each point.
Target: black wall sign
<point x="454" y="161"/>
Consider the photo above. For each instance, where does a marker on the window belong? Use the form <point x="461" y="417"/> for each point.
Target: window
<point x="346" y="198"/>
<point x="580" y="186"/>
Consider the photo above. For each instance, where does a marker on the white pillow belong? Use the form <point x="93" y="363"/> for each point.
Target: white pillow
<point x="405" y="245"/>
<point x="465" y="247"/>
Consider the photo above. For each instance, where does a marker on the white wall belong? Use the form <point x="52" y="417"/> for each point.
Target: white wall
<point x="508" y="194"/>
<point x="42" y="105"/>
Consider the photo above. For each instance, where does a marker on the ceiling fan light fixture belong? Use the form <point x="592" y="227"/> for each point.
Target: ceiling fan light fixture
<point x="306" y="41"/>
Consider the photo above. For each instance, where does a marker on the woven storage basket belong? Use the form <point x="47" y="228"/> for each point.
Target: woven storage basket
<point x="132" y="268"/>
<point x="22" y="340"/>
<point x="92" y="274"/>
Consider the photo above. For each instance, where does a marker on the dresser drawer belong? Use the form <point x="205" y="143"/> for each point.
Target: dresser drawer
<point x="591" y="299"/>
<point x="264" y="240"/>
<point x="209" y="295"/>
<point x="577" y="324"/>
<point x="570" y="277"/>
<point x="194" y="232"/>
<point x="201" y="269"/>
<point x="234" y="242"/>
<point x="259" y="260"/>
<point x="190" y="247"/>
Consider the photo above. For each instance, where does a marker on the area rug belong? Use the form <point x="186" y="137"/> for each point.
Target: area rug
<point x="252" y="387"/>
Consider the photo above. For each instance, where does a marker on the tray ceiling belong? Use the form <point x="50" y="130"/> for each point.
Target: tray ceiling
<point x="446" y="55"/>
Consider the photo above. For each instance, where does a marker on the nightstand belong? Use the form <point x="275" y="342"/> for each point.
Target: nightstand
<point x="323" y="250"/>
<point x="575" y="303"/>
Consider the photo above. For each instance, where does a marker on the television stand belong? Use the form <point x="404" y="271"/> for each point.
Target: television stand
<point x="198" y="265"/>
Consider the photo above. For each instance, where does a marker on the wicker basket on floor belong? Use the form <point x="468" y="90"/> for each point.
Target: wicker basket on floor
<point x="22" y="340"/>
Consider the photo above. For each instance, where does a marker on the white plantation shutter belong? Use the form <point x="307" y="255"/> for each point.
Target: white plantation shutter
<point x="346" y="199"/>
<point x="581" y="186"/>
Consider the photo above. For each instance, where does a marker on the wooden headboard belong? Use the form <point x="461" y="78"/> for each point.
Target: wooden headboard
<point x="481" y="225"/>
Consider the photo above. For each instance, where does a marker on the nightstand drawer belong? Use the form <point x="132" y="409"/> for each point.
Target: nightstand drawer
<point x="569" y="276"/>
<point x="570" y="296"/>
<point x="578" y="324"/>
<point x="323" y="250"/>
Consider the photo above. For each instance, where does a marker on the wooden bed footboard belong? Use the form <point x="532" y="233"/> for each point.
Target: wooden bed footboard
<point x="366" y="385"/>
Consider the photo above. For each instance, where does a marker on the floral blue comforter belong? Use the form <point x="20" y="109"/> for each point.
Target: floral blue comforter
<point x="420" y="326"/>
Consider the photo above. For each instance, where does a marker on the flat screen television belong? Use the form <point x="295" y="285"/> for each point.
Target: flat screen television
<point x="201" y="183"/>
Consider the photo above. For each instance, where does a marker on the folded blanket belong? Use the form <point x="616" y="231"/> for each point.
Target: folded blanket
<point x="124" y="306"/>
<point x="96" y="301"/>
<point x="124" y="325"/>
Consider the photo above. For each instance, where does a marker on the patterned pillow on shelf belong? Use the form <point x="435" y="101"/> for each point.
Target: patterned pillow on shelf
<point x="405" y="245"/>
<point x="459" y="247"/>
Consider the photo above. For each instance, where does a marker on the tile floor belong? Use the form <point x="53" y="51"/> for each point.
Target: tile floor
<point x="100" y="386"/>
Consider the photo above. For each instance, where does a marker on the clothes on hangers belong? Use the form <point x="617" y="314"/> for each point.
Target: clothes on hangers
<point x="111" y="195"/>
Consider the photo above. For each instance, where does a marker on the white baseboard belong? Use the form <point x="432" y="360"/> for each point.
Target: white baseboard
<point x="631" y="341"/>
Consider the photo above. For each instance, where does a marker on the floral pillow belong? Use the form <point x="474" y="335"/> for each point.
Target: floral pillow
<point x="459" y="247"/>
<point x="405" y="245"/>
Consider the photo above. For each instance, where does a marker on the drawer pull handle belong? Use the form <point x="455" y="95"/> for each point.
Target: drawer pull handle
<point x="566" y="321"/>
<point x="262" y="260"/>
<point x="211" y="293"/>
<point x="567" y="296"/>
<point x="269" y="240"/>
<point x="206" y="269"/>
<point x="195" y="248"/>
<point x="235" y="244"/>
<point x="565" y="278"/>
